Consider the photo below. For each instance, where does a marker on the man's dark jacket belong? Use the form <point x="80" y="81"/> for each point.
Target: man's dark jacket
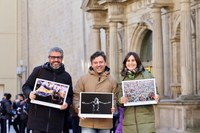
<point x="43" y="118"/>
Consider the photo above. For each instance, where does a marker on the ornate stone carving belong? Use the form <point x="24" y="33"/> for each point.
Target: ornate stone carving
<point x="91" y="5"/>
<point x="146" y="17"/>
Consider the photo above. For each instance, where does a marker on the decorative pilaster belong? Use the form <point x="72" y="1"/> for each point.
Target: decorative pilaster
<point x="157" y="61"/>
<point x="175" y="60"/>
<point x="175" y="68"/>
<point x="186" y="50"/>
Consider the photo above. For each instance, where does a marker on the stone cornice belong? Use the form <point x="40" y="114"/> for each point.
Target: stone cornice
<point x="115" y="8"/>
<point x="160" y="3"/>
<point x="91" y="5"/>
<point x="102" y="2"/>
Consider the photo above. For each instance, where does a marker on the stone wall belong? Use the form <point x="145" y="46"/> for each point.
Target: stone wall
<point x="9" y="47"/>
<point x="55" y="23"/>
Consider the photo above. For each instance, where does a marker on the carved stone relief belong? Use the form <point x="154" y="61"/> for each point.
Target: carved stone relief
<point x="147" y="19"/>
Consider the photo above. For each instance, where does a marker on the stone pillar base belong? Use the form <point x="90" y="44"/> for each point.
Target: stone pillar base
<point x="188" y="97"/>
<point x="178" y="116"/>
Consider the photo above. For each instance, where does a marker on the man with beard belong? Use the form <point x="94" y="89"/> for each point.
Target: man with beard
<point x="44" y="119"/>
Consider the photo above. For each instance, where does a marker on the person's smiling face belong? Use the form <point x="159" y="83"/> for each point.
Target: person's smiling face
<point x="55" y="59"/>
<point x="131" y="63"/>
<point x="99" y="64"/>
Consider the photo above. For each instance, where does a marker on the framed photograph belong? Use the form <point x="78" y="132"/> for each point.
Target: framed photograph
<point x="50" y="93"/>
<point x="96" y="105"/>
<point x="139" y="92"/>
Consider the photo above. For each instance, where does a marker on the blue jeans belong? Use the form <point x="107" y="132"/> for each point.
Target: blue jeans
<point x="93" y="130"/>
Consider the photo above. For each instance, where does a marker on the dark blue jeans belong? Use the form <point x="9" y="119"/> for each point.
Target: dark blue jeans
<point x="92" y="130"/>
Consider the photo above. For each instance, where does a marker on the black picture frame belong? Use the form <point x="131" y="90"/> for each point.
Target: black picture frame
<point x="96" y="104"/>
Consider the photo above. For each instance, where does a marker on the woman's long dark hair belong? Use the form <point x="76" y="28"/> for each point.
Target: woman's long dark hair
<point x="137" y="59"/>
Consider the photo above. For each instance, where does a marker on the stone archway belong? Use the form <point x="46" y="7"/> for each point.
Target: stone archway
<point x="140" y="46"/>
<point x="137" y="37"/>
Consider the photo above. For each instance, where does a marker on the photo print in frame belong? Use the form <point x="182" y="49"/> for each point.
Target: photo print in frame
<point x="139" y="92"/>
<point x="49" y="93"/>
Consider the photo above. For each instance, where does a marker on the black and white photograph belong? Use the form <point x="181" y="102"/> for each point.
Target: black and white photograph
<point x="96" y="105"/>
<point x="50" y="93"/>
<point x="139" y="92"/>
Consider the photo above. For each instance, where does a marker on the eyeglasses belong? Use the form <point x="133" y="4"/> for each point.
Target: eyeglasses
<point x="55" y="57"/>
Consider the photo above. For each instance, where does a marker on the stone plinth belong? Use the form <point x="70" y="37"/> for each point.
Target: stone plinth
<point x="178" y="116"/>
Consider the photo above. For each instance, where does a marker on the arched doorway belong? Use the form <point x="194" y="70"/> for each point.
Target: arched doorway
<point x="141" y="43"/>
<point x="146" y="50"/>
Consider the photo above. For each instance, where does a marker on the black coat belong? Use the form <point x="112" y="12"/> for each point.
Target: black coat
<point x="43" y="118"/>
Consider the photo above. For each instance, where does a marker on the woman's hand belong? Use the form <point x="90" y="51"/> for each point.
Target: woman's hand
<point x="157" y="98"/>
<point x="123" y="100"/>
<point x="113" y="110"/>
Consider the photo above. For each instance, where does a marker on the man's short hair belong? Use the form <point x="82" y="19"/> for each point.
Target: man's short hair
<point x="97" y="54"/>
<point x="56" y="49"/>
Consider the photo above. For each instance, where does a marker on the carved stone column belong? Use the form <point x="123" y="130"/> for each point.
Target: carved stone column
<point x="186" y="50"/>
<point x="115" y="15"/>
<point x="166" y="50"/>
<point x="198" y="48"/>
<point x="157" y="61"/>
<point x="113" y="60"/>
<point x="96" y="38"/>
<point x="107" y="45"/>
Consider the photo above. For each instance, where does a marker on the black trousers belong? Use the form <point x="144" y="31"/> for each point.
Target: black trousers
<point x="5" y="125"/>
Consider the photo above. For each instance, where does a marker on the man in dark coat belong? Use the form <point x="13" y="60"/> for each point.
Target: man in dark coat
<point x="45" y="119"/>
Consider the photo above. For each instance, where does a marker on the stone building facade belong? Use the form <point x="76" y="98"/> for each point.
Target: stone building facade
<point x="165" y="33"/>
